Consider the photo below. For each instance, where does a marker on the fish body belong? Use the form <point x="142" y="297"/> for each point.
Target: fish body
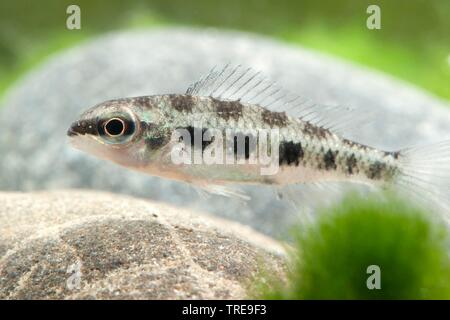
<point x="226" y="123"/>
<point x="307" y="153"/>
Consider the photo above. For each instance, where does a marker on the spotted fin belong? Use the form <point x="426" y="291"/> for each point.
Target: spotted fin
<point x="246" y="85"/>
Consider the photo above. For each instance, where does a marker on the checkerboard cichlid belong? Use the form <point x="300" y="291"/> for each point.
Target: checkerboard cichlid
<point x="234" y="126"/>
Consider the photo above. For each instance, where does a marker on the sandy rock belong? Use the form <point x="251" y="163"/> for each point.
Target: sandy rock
<point x="94" y="245"/>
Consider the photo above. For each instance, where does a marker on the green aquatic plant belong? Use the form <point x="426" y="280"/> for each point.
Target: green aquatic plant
<point x="332" y="257"/>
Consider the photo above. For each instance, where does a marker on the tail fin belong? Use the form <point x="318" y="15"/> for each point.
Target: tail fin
<point x="425" y="175"/>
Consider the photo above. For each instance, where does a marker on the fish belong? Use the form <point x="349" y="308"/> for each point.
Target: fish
<point x="235" y="127"/>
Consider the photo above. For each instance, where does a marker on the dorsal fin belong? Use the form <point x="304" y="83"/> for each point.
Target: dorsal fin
<point x="246" y="85"/>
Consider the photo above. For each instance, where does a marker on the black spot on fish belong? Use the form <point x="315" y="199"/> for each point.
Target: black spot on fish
<point x="315" y="131"/>
<point x="144" y="102"/>
<point x="156" y="142"/>
<point x="354" y="144"/>
<point x="182" y="103"/>
<point x="228" y="109"/>
<point x="249" y="143"/>
<point x="197" y="132"/>
<point x="329" y="160"/>
<point x="394" y="154"/>
<point x="375" y="170"/>
<point x="290" y="153"/>
<point x="154" y="137"/>
<point x="351" y="163"/>
<point x="274" y="119"/>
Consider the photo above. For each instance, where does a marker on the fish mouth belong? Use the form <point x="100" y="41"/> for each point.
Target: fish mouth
<point x="71" y="132"/>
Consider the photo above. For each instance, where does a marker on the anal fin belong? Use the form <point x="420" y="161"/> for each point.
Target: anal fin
<point x="207" y="188"/>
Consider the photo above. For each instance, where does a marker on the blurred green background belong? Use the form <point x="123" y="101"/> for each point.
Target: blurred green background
<point x="413" y="44"/>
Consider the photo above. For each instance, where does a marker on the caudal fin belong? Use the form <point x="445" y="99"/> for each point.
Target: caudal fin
<point x="425" y="175"/>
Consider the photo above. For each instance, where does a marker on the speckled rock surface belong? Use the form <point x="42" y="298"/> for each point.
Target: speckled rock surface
<point x="37" y="111"/>
<point x="123" y="248"/>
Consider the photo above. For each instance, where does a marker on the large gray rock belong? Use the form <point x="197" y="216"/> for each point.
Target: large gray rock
<point x="81" y="244"/>
<point x="38" y="110"/>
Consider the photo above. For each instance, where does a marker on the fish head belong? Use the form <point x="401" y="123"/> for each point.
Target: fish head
<point x="113" y="130"/>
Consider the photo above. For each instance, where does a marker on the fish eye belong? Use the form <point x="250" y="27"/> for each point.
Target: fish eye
<point x="115" y="127"/>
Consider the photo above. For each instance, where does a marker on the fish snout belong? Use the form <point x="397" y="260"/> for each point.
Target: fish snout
<point x="81" y="128"/>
